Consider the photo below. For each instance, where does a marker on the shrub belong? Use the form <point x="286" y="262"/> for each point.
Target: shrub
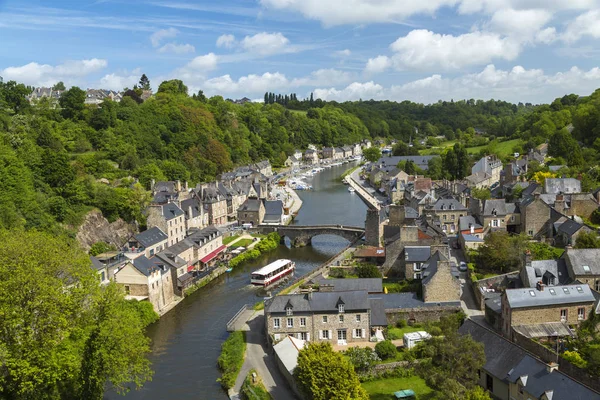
<point x="231" y="358"/>
<point x="145" y="310"/>
<point x="362" y="358"/>
<point x="435" y="331"/>
<point x="368" y="271"/>
<point x="401" y="323"/>
<point x="385" y="349"/>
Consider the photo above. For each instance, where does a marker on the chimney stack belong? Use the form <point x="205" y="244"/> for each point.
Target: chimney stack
<point x="540" y="286"/>
<point x="551" y="367"/>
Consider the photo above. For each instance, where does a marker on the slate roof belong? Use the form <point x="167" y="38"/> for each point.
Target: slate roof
<point x="417" y="253"/>
<point x="448" y="204"/>
<point x="465" y="223"/>
<point x="569" y="227"/>
<point x="431" y="266"/>
<point x="320" y="302"/>
<point x="539" y="269"/>
<point x="472" y="239"/>
<point x="528" y="191"/>
<point x="287" y="351"/>
<point x="96" y="264"/>
<point x="578" y="258"/>
<point x="147" y="265"/>
<point x="411" y="213"/>
<point x="371" y="285"/>
<point x="407" y="300"/>
<point x="421" y="161"/>
<point x="551" y="295"/>
<point x="556" y="384"/>
<point x="151" y="237"/>
<point x="196" y="206"/>
<point x="500" y="355"/>
<point x="204" y="235"/>
<point x="495" y="205"/>
<point x="562" y="185"/>
<point x="378" y="317"/>
<point x="251" y="205"/>
<point x="180" y="246"/>
<point x="171" y="210"/>
<point x="273" y="210"/>
<point x="171" y="258"/>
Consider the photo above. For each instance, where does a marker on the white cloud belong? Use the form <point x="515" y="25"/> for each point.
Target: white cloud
<point x="586" y="24"/>
<point x="194" y="72"/>
<point x="491" y="6"/>
<point x="378" y="64"/>
<point x="342" y="53"/>
<point x="177" y="48"/>
<point x="516" y="84"/>
<point x="249" y="84"/>
<point x="227" y="41"/>
<point x="423" y="49"/>
<point x="523" y="24"/>
<point x="546" y="36"/>
<point x="118" y="82"/>
<point x="265" y="43"/>
<point x="157" y="37"/>
<point x="338" y="12"/>
<point x="69" y="72"/>
<point x="323" y="77"/>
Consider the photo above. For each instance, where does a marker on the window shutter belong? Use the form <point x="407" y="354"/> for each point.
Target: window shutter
<point x="320" y="334"/>
<point x="363" y="333"/>
<point x="330" y="335"/>
<point x="353" y="333"/>
<point x="308" y="337"/>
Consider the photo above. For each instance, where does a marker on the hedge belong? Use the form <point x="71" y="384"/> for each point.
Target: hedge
<point x="269" y="243"/>
<point x="232" y="358"/>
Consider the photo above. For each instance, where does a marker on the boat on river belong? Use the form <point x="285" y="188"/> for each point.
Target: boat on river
<point x="272" y="273"/>
<point x="351" y="189"/>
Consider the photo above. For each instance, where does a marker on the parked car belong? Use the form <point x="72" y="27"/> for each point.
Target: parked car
<point x="463" y="266"/>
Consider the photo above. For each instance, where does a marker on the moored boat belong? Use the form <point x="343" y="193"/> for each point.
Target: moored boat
<point x="272" y="273"/>
<point x="351" y="189"/>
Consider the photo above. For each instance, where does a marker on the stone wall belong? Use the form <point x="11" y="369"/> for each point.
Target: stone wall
<point x="583" y="205"/>
<point x="421" y="314"/>
<point x="442" y="286"/>
<point x="534" y="218"/>
<point x="372" y="228"/>
<point x="96" y="228"/>
<point x="539" y="315"/>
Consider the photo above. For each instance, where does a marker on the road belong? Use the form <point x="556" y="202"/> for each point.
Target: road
<point x="367" y="186"/>
<point x="467" y="297"/>
<point x="263" y="363"/>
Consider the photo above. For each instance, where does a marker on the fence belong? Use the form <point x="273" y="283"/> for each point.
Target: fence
<point x="232" y="321"/>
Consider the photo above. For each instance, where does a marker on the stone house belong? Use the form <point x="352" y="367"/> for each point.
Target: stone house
<point x="568" y="304"/>
<point x="264" y="167"/>
<point x="347" y="151"/>
<point x="291" y="162"/>
<point x="583" y="265"/>
<point x="511" y="373"/>
<point x="311" y="156"/>
<point x="357" y="150"/>
<point x="164" y="192"/>
<point x="366" y="144"/>
<point x="170" y="219"/>
<point x="251" y="212"/>
<point x="101" y="269"/>
<point x="440" y="280"/>
<point x="335" y="317"/>
<point x="448" y="211"/>
<point x="297" y="154"/>
<point x="149" y="242"/>
<point x="179" y="259"/>
<point x="535" y="217"/>
<point x="209" y="246"/>
<point x="147" y="279"/>
<point x="468" y="225"/>
<point x="496" y="215"/>
<point x="273" y="212"/>
<point x="338" y="154"/>
<point x="215" y="204"/>
<point x="195" y="217"/>
<point x="413" y="258"/>
<point x="485" y="172"/>
<point x="567" y="230"/>
<point x="234" y="196"/>
<point x="329" y="152"/>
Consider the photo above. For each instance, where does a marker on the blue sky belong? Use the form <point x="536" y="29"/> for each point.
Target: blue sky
<point x="420" y="50"/>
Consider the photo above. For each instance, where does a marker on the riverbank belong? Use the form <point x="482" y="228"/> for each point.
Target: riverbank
<point x="361" y="191"/>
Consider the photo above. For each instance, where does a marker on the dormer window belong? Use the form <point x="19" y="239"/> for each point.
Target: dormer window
<point x="288" y="311"/>
<point x="340" y="308"/>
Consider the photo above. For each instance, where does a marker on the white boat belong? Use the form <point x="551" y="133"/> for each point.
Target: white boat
<point x="351" y="189"/>
<point x="273" y="272"/>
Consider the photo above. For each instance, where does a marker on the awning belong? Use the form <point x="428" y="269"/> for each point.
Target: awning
<point x="210" y="256"/>
<point x="189" y="268"/>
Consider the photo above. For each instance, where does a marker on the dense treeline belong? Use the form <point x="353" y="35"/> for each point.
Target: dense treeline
<point x="60" y="160"/>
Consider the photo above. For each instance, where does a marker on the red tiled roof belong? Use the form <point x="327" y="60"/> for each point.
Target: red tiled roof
<point x="209" y="257"/>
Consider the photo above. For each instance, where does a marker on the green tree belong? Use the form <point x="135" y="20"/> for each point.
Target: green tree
<point x="402" y="149"/>
<point x="101" y="247"/>
<point x="55" y="310"/>
<point x="72" y="102"/>
<point x="481" y="193"/>
<point x="14" y="95"/>
<point x="587" y="240"/>
<point x="386" y="349"/>
<point x="595" y="217"/>
<point x="362" y="358"/>
<point x="324" y="374"/>
<point x="372" y="154"/>
<point x="410" y="167"/>
<point x="174" y="86"/>
<point x="368" y="271"/>
<point x="59" y="86"/>
<point x="144" y="82"/>
<point x="501" y="252"/>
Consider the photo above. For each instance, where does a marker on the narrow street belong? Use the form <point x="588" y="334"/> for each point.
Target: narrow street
<point x="467" y="297"/>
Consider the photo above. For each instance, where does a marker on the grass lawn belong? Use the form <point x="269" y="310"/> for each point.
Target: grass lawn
<point x="230" y="239"/>
<point x="297" y="111"/>
<point x="242" y="243"/>
<point x="383" y="389"/>
<point x="399" y="332"/>
<point x="501" y="149"/>
<point x="258" y="235"/>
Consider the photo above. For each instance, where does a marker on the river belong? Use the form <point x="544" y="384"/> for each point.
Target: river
<point x="186" y="341"/>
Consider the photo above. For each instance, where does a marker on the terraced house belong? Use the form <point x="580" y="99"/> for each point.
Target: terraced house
<point x="336" y="317"/>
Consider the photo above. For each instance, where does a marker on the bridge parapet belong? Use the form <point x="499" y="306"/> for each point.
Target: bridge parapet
<point x="302" y="235"/>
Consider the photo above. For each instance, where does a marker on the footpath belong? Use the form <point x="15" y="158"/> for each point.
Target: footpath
<point x="353" y="180"/>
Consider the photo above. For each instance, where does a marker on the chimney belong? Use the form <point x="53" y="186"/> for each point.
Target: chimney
<point x="178" y="185"/>
<point x="536" y="196"/>
<point x="310" y="290"/>
<point x="152" y="184"/>
<point x="190" y="215"/>
<point x="527" y="258"/>
<point x="540" y="286"/>
<point x="551" y="367"/>
<point x="186" y="186"/>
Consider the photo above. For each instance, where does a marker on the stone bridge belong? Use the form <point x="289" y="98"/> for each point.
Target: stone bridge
<point x="302" y="235"/>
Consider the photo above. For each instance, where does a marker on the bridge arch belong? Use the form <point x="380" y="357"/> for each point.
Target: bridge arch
<point x="302" y="235"/>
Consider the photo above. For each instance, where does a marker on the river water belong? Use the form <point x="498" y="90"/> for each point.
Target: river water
<point x="186" y="341"/>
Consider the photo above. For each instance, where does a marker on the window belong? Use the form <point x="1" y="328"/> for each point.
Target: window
<point x="597" y="286"/>
<point x="325" y="334"/>
<point x="512" y="218"/>
<point x="341" y="318"/>
<point x="276" y="323"/>
<point x="324" y="319"/>
<point x="489" y="382"/>
<point x="340" y="308"/>
<point x="566" y="290"/>
<point x="579" y="289"/>
<point x="553" y="292"/>
<point x="288" y="311"/>
<point x="126" y="289"/>
<point x="530" y="233"/>
<point x="532" y="293"/>
<point x="358" y="333"/>
<point x="495" y="223"/>
<point x="151" y="252"/>
<point x="290" y="322"/>
<point x="357" y="317"/>
<point x="102" y="276"/>
<point x="417" y="266"/>
<point x="581" y="313"/>
<point x="417" y="275"/>
<point x="453" y="217"/>
<point x="302" y="321"/>
<point x="303" y="336"/>
<point x="563" y="315"/>
<point x="445" y="217"/>
<point x="586" y="269"/>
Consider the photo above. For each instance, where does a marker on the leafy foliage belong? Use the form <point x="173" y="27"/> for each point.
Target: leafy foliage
<point x="362" y="358"/>
<point x="231" y="358"/>
<point x="501" y="252"/>
<point x="385" y="349"/>
<point x="587" y="240"/>
<point x="101" y="247"/>
<point x="368" y="271"/>
<point x="372" y="154"/>
<point x="323" y="374"/>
